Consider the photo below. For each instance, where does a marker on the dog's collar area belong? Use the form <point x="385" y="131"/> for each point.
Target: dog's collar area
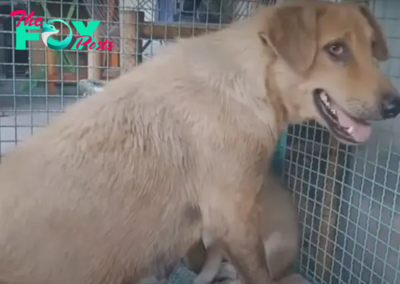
<point x="345" y="127"/>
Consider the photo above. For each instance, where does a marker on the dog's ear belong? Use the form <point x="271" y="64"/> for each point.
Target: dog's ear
<point x="379" y="45"/>
<point x="292" y="34"/>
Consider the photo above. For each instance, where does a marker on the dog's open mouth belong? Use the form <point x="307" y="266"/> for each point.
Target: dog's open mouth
<point x="345" y="127"/>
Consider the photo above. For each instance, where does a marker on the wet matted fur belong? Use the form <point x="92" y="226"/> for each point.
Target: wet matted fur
<point x="178" y="146"/>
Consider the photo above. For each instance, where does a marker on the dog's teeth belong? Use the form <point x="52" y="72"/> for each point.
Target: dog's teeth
<point x="334" y="112"/>
<point x="324" y="98"/>
<point x="350" y="130"/>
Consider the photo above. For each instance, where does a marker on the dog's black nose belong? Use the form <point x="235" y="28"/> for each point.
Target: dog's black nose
<point x="390" y="105"/>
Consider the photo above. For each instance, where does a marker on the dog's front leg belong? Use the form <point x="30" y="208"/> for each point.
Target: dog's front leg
<point x="230" y="215"/>
<point x="239" y="234"/>
<point x="244" y="247"/>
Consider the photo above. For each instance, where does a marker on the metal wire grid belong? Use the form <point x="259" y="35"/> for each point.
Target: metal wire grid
<point x="24" y="101"/>
<point x="365" y="244"/>
<point x="210" y="15"/>
<point x="349" y="199"/>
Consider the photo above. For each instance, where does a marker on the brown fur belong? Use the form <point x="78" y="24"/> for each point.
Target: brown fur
<point x="101" y="195"/>
<point x="279" y="229"/>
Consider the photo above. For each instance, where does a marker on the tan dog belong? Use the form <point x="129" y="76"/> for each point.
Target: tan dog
<point x="279" y="227"/>
<point x="176" y="148"/>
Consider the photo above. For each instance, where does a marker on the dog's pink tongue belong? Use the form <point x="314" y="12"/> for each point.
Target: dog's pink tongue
<point x="361" y="132"/>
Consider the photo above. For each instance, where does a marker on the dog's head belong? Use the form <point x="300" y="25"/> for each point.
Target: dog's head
<point x="333" y="51"/>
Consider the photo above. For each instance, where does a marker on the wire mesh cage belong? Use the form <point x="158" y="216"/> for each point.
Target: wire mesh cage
<point x="349" y="198"/>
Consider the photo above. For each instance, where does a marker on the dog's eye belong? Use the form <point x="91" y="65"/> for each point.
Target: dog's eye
<point x="338" y="51"/>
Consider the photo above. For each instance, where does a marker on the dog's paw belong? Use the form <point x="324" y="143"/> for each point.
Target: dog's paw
<point x="227" y="271"/>
<point x="226" y="274"/>
<point x="203" y="278"/>
<point x="293" y="279"/>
